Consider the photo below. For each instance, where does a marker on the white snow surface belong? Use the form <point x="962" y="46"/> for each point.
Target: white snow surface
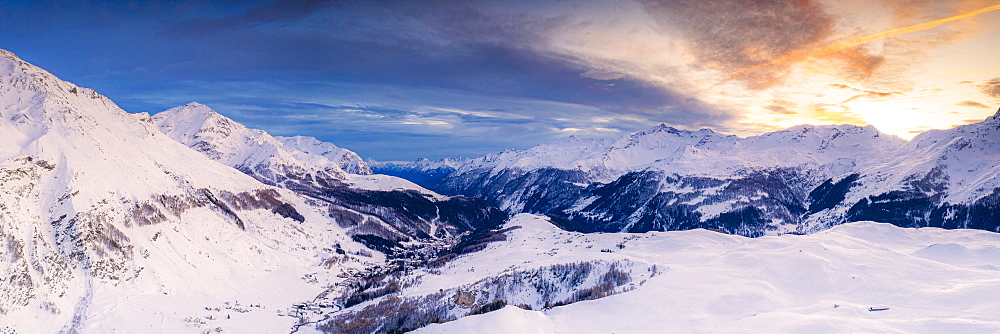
<point x="388" y="183"/>
<point x="510" y="319"/>
<point x="929" y="280"/>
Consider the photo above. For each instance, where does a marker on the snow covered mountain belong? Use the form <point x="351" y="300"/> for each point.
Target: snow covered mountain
<point x="798" y="180"/>
<point x="252" y="151"/>
<point x="944" y="178"/>
<point x="105" y="221"/>
<point x="108" y="224"/>
<point x="348" y="161"/>
<point x="384" y="212"/>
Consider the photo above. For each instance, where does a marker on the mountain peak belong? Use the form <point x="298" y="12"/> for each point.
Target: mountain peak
<point x="663" y="128"/>
<point x="197" y="114"/>
<point x="994" y="118"/>
<point x="192" y="108"/>
<point x="9" y="55"/>
<point x="194" y="104"/>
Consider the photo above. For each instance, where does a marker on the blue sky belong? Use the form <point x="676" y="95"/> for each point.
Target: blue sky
<point x="398" y="80"/>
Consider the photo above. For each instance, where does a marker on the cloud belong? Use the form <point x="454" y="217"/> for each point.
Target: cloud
<point x="859" y="63"/>
<point x="867" y="62"/>
<point x="780" y="110"/>
<point x="602" y="75"/>
<point x="274" y="13"/>
<point x="833" y="114"/>
<point x="870" y="94"/>
<point x="972" y="104"/>
<point x="991" y="88"/>
<point x="505" y="74"/>
<point x="734" y="35"/>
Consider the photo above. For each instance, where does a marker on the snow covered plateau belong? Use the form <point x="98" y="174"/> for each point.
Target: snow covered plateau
<point x="189" y="222"/>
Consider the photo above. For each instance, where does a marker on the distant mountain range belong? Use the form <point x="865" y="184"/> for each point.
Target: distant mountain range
<point x="798" y="180"/>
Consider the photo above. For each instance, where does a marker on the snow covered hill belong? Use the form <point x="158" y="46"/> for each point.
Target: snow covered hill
<point x="537" y="278"/>
<point x="798" y="180"/>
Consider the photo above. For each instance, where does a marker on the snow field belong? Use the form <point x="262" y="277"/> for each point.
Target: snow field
<point x="931" y="280"/>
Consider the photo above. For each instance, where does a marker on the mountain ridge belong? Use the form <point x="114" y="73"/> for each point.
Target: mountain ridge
<point x="665" y="178"/>
<point x="382" y="212"/>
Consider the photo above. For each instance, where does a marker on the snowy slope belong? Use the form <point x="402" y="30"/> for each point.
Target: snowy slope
<point x="108" y="225"/>
<point x="928" y="281"/>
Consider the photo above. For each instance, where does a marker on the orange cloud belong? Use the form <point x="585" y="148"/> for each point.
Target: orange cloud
<point x="972" y="104"/>
<point x="837" y="47"/>
<point x="834" y="114"/>
<point x="870" y="94"/>
<point x="860" y="64"/>
<point x="780" y="110"/>
<point x="728" y="35"/>
<point x="992" y="87"/>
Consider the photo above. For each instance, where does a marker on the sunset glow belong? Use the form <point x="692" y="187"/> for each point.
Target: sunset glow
<point x="390" y="79"/>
